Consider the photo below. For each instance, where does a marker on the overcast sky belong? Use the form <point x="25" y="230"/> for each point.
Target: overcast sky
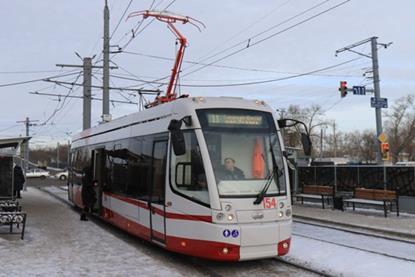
<point x="36" y="35"/>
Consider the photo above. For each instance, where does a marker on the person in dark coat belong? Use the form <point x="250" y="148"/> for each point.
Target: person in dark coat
<point x="230" y="171"/>
<point x="18" y="180"/>
<point x="88" y="193"/>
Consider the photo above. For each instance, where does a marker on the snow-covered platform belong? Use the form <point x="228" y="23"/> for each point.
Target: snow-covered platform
<point x="57" y="243"/>
<point x="372" y="220"/>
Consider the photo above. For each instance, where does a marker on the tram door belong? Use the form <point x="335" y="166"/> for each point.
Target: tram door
<point x="99" y="173"/>
<point x="157" y="191"/>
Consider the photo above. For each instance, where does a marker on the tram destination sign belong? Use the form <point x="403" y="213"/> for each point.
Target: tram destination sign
<point x="228" y="120"/>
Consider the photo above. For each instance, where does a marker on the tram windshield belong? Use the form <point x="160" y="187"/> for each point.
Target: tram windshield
<point x="245" y="152"/>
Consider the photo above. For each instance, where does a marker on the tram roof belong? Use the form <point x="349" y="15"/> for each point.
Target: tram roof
<point x="176" y="109"/>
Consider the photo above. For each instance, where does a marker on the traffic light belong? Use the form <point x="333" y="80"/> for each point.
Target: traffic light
<point x="343" y="88"/>
<point x="385" y="151"/>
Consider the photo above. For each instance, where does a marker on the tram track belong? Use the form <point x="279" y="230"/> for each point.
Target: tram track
<point x="357" y="233"/>
<point x="355" y="230"/>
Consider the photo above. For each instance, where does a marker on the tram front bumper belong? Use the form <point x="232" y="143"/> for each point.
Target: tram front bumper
<point x="265" y="240"/>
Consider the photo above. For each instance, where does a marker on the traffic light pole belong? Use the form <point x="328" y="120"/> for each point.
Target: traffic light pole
<point x="376" y="86"/>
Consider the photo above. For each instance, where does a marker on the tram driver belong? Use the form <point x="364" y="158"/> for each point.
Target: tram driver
<point x="230" y="171"/>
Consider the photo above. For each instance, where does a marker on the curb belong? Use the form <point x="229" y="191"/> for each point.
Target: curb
<point x="388" y="232"/>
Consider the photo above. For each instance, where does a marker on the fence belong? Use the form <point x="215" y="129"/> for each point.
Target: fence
<point x="346" y="178"/>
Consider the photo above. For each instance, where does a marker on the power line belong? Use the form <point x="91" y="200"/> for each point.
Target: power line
<point x="249" y="44"/>
<point x="265" y="81"/>
<point x="37" y="80"/>
<point x="81" y="97"/>
<point x="121" y="18"/>
<point x="140" y="91"/>
<point x="228" y="66"/>
<point x="31" y="71"/>
<point x="135" y="33"/>
<point x="8" y="128"/>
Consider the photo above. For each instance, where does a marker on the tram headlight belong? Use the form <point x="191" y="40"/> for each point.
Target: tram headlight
<point x="225" y="250"/>
<point x="230" y="217"/>
<point x="280" y="214"/>
<point x="288" y="213"/>
<point x="281" y="205"/>
<point x="220" y="216"/>
<point x="228" y="207"/>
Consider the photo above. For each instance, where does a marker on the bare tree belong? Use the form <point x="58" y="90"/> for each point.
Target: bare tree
<point x="400" y="126"/>
<point x="311" y="116"/>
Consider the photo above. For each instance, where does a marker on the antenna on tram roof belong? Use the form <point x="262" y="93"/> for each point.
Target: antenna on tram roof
<point x="170" y="19"/>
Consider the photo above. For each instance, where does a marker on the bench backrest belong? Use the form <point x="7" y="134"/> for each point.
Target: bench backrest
<point x="320" y="190"/>
<point x="374" y="194"/>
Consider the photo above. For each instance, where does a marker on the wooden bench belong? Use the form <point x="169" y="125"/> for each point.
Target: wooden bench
<point x="323" y="193"/>
<point x="376" y="197"/>
<point x="14" y="218"/>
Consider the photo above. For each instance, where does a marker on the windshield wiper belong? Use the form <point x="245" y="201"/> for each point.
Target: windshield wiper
<point x="275" y="171"/>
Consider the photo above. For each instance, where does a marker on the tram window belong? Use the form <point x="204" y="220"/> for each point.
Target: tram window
<point x="139" y="166"/>
<point x="187" y="172"/>
<point x="117" y="165"/>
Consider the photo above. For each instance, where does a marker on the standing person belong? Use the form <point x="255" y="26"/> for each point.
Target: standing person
<point x="88" y="193"/>
<point x="18" y="180"/>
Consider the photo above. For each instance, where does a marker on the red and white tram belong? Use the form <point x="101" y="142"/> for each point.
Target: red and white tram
<point x="177" y="188"/>
<point x="201" y="176"/>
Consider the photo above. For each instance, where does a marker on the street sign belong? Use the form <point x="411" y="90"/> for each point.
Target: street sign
<point x="382" y="138"/>
<point x="379" y="103"/>
<point x="359" y="90"/>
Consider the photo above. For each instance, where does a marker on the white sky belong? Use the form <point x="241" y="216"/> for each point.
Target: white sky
<point x="36" y="35"/>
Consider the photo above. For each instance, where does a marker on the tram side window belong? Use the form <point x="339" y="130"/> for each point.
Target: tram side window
<point x="139" y="167"/>
<point x="117" y="165"/>
<point x="187" y="172"/>
<point x="82" y="164"/>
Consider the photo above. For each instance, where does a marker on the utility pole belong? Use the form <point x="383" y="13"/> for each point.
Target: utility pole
<point x="57" y="155"/>
<point x="106" y="73"/>
<point x="375" y="70"/>
<point x="28" y="123"/>
<point x="334" y="139"/>
<point x="321" y="144"/>
<point x="86" y="122"/>
<point x="87" y="97"/>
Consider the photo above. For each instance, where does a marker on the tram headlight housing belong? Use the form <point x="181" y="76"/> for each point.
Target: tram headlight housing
<point x="280" y="214"/>
<point x="288" y="213"/>
<point x="230" y="217"/>
<point x="220" y="216"/>
<point x="228" y="207"/>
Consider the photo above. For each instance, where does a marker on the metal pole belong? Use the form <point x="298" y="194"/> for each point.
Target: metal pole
<point x="87" y="93"/>
<point x="375" y="67"/>
<point x="57" y="155"/>
<point x="321" y="144"/>
<point x="26" y="152"/>
<point x="106" y="53"/>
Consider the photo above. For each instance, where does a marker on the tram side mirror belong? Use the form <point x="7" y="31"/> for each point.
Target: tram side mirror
<point x="177" y="137"/>
<point x="306" y="141"/>
<point x="282" y="123"/>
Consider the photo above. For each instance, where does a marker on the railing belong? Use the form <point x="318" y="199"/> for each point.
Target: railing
<point x="346" y="178"/>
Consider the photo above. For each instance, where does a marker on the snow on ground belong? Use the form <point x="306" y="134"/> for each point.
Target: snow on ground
<point x="404" y="250"/>
<point x="343" y="261"/>
<point x="57" y="243"/>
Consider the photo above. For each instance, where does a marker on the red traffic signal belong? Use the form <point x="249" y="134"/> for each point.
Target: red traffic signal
<point x="385" y="151"/>
<point x="343" y="88"/>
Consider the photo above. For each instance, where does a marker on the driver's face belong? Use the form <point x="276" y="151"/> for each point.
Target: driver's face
<point x="229" y="164"/>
